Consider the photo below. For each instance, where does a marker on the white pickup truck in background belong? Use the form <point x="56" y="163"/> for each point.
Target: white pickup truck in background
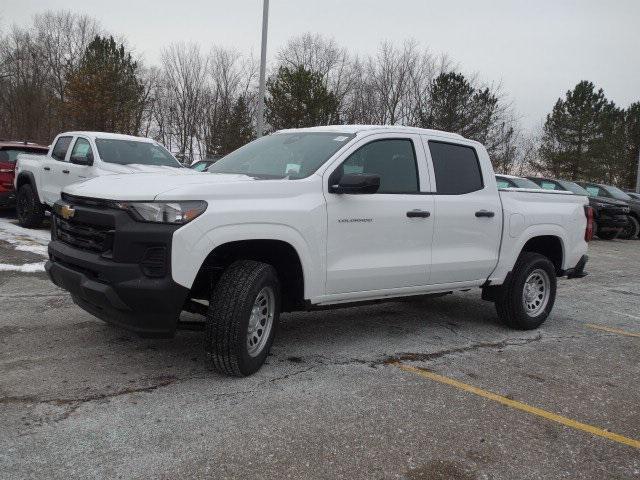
<point x="75" y="157"/>
<point x="310" y="218"/>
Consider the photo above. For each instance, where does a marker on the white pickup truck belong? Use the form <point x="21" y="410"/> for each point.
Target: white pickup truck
<point x="75" y="157"/>
<point x="310" y="218"/>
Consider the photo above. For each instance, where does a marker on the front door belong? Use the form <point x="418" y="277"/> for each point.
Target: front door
<point x="74" y="173"/>
<point x="380" y="241"/>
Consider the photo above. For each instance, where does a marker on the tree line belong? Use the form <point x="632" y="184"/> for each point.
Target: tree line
<point x="65" y="72"/>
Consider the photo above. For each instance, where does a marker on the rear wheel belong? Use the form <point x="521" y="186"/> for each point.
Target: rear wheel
<point x="527" y="297"/>
<point x="28" y="207"/>
<point x="631" y="230"/>
<point x="243" y="314"/>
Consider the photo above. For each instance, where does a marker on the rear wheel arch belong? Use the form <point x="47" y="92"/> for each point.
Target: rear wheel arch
<point x="549" y="246"/>
<point x="280" y="254"/>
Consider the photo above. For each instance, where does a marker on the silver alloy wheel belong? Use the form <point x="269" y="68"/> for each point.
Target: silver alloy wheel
<point x="261" y="321"/>
<point x="536" y="292"/>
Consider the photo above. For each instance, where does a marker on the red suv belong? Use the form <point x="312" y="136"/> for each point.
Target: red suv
<point x="8" y="155"/>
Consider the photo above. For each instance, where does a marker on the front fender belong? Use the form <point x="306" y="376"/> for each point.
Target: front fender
<point x="189" y="251"/>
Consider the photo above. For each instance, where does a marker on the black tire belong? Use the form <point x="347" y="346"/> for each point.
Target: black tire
<point x="631" y="230"/>
<point x="228" y="319"/>
<point x="510" y="301"/>
<point x="29" y="210"/>
<point x="608" y="234"/>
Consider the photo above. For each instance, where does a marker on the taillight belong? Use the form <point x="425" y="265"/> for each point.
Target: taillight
<point x="588" y="232"/>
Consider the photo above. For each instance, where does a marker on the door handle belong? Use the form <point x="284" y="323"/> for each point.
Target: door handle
<point x="65" y="171"/>
<point x="418" y="214"/>
<point x="484" y="213"/>
<point x="47" y="168"/>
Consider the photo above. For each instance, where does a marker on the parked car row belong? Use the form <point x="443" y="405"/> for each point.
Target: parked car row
<point x="616" y="213"/>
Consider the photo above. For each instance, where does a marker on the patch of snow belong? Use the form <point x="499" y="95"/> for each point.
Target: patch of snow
<point x="24" y="239"/>
<point x="25" y="268"/>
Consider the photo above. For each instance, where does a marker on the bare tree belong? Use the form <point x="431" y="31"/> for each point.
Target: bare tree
<point x="325" y="57"/>
<point x="231" y="76"/>
<point x="183" y="94"/>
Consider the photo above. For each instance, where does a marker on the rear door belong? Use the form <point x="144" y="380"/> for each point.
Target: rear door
<point x="468" y="212"/>
<point x="52" y="168"/>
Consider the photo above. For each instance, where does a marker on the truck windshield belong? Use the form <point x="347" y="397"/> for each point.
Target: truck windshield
<point x="619" y="194"/>
<point x="282" y="155"/>
<point x="574" y="187"/>
<point x="127" y="152"/>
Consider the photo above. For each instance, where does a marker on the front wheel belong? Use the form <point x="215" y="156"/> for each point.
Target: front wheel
<point x="244" y="310"/>
<point x="29" y="210"/>
<point x="527" y="296"/>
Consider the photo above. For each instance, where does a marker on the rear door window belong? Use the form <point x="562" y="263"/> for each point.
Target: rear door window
<point x="456" y="168"/>
<point x="60" y="148"/>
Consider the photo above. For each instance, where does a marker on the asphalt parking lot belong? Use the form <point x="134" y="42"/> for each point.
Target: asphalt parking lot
<point x="421" y="389"/>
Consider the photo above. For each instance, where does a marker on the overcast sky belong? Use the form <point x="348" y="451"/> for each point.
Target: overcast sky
<point x="538" y="49"/>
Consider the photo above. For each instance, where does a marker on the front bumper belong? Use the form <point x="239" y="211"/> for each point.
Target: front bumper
<point x="611" y="222"/>
<point x="117" y="285"/>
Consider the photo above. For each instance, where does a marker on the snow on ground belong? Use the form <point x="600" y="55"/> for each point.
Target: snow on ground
<point x="25" y="240"/>
<point x="25" y="268"/>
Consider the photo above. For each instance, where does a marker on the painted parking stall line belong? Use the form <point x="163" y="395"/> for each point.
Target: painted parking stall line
<point x="521" y="406"/>
<point x="612" y="330"/>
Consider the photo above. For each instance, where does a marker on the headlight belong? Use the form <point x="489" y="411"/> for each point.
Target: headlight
<point x="164" y="212"/>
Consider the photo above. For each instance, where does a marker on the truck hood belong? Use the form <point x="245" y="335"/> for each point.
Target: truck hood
<point x="106" y="168"/>
<point x="148" y="186"/>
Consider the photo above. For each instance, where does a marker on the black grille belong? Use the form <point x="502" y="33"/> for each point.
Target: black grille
<point x="93" y="238"/>
<point x="87" y="202"/>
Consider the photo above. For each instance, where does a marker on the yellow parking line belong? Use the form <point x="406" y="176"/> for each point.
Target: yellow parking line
<point x="612" y="330"/>
<point x="521" y="406"/>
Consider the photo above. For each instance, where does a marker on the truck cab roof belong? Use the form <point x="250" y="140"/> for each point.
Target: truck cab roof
<point x="367" y="129"/>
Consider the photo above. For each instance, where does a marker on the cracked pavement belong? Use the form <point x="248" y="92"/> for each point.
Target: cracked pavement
<point x="80" y="399"/>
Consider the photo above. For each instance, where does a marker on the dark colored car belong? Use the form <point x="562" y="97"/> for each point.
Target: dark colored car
<point x="634" y="195"/>
<point x="509" y="181"/>
<point x="610" y="192"/>
<point x="202" y="165"/>
<point x="8" y="155"/>
<point x="610" y="215"/>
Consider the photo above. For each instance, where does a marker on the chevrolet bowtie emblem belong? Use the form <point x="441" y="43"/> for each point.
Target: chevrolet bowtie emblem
<point x="67" y="211"/>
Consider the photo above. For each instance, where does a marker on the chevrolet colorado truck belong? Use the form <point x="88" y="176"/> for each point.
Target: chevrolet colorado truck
<point x="309" y="219"/>
<point x="75" y="157"/>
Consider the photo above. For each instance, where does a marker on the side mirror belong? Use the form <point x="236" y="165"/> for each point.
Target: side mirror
<point x="360" y="183"/>
<point x="82" y="159"/>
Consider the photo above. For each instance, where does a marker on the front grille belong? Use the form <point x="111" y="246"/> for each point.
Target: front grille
<point x="88" y="202"/>
<point x="93" y="238"/>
